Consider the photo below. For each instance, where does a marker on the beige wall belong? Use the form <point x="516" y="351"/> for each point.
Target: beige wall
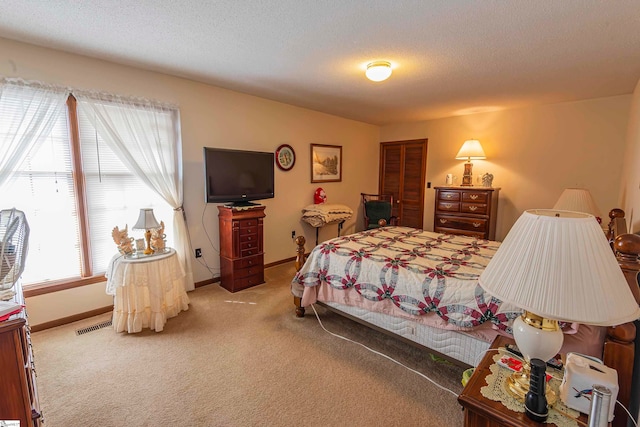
<point x="533" y="153"/>
<point x="630" y="191"/>
<point x="217" y="118"/>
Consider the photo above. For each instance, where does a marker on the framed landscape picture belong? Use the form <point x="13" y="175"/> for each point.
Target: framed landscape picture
<point x="326" y="163"/>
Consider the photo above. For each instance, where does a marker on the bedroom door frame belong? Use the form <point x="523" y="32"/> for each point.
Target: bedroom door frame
<point x="406" y="186"/>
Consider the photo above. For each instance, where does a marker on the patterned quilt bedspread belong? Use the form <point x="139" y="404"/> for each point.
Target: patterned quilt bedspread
<point x="420" y="272"/>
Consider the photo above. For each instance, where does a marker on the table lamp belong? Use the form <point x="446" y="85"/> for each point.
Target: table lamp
<point x="470" y="150"/>
<point x="578" y="200"/>
<point x="146" y="221"/>
<point x="557" y="266"/>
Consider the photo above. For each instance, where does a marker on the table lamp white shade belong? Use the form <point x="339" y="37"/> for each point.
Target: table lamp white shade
<point x="146" y="220"/>
<point x="578" y="200"/>
<point x="471" y="150"/>
<point x="562" y="268"/>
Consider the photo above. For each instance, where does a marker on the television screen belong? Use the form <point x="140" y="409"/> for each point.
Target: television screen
<point x="238" y="176"/>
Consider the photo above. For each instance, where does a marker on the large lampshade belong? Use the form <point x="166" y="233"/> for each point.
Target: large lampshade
<point x="559" y="265"/>
<point x="578" y="200"/>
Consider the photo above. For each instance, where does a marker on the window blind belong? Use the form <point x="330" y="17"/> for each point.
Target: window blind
<point x="43" y="189"/>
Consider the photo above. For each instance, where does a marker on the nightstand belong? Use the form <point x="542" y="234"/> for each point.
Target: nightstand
<point x="482" y="412"/>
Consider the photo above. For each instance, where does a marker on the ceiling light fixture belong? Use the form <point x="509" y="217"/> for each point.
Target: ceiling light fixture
<point x="378" y="71"/>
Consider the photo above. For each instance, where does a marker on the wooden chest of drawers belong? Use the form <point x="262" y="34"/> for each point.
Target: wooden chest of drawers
<point x="466" y="210"/>
<point x="241" y="247"/>
<point x="18" y="393"/>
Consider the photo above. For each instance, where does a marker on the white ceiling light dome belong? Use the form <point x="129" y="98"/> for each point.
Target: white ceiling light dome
<point x="378" y="71"/>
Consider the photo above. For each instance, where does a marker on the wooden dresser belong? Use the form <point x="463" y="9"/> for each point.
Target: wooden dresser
<point x="241" y="247"/>
<point x="471" y="211"/>
<point x="18" y="392"/>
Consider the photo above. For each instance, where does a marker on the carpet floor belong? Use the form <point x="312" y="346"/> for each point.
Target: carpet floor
<point x="240" y="359"/>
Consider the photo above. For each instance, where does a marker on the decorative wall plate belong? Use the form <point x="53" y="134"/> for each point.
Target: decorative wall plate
<point x="285" y="157"/>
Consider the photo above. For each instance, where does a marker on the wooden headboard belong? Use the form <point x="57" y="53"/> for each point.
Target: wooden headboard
<point x="620" y="349"/>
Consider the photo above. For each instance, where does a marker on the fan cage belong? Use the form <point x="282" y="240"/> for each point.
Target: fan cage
<point x="14" y="234"/>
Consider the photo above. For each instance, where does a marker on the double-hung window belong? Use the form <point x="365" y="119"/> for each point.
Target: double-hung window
<point x="74" y="190"/>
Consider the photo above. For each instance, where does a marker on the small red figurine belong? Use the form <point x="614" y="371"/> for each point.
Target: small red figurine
<point x="319" y="196"/>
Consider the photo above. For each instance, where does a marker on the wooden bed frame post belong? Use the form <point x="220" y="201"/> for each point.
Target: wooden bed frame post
<point x="620" y="350"/>
<point x="300" y="241"/>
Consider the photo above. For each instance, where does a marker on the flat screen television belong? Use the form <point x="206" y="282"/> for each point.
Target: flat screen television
<point x="238" y="177"/>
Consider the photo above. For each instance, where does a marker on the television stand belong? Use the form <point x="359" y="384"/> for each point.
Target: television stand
<point x="241" y="247"/>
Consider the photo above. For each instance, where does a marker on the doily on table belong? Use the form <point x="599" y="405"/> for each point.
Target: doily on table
<point x="496" y="390"/>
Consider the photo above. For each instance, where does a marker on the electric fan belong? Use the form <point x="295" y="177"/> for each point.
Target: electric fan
<point x="14" y="234"/>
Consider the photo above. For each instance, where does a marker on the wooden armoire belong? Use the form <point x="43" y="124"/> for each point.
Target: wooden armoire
<point x="402" y="174"/>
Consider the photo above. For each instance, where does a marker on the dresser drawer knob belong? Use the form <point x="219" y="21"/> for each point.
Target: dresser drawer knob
<point x="477" y="224"/>
<point x="473" y="208"/>
<point x="443" y="221"/>
<point x="448" y="196"/>
<point x="473" y="196"/>
<point x="447" y="205"/>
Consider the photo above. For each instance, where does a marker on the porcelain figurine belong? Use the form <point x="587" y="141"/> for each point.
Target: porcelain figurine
<point x="122" y="239"/>
<point x="487" y="180"/>
<point x="157" y="238"/>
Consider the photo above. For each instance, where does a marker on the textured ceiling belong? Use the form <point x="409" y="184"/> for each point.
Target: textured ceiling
<point x="450" y="57"/>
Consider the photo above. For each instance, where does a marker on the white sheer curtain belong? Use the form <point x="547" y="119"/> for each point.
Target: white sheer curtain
<point x="29" y="112"/>
<point x="146" y="138"/>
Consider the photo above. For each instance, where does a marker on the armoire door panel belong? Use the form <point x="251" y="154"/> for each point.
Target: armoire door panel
<point x="402" y="174"/>
<point x="391" y="173"/>
<point x="411" y="217"/>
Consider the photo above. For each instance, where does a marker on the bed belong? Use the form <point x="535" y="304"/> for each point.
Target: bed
<point x="365" y="276"/>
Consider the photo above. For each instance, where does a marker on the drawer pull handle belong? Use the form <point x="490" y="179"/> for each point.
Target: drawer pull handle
<point x="473" y="196"/>
<point x="447" y="205"/>
<point x="477" y="224"/>
<point x="473" y="208"/>
<point x="250" y="252"/>
<point x="248" y="238"/>
<point x="443" y="221"/>
<point x="250" y="262"/>
<point x="448" y="196"/>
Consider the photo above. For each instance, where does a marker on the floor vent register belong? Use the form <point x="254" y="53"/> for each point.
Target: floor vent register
<point x="92" y="328"/>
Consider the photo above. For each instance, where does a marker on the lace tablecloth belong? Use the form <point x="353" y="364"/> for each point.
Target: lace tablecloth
<point x="496" y="390"/>
<point x="147" y="291"/>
